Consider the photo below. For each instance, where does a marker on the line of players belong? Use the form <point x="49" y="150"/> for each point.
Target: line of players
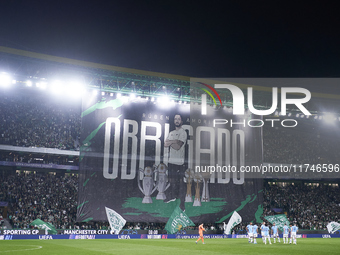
<point x="252" y="231"/>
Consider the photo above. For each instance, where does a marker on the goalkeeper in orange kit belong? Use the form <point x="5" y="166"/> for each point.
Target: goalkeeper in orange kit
<point x="200" y="231"/>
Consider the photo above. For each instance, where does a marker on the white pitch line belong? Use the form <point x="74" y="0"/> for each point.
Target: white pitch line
<point x="36" y="248"/>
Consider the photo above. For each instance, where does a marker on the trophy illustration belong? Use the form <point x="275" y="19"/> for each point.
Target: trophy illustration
<point x="189" y="176"/>
<point x="148" y="184"/>
<point x="198" y="179"/>
<point x="162" y="181"/>
<point x="205" y="193"/>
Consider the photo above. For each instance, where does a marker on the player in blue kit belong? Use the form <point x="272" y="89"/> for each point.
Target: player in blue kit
<point x="255" y="231"/>
<point x="266" y="234"/>
<point x="293" y="232"/>
<point x="250" y="232"/>
<point x="290" y="232"/>
<point x="285" y="234"/>
<point x="262" y="234"/>
<point x="275" y="233"/>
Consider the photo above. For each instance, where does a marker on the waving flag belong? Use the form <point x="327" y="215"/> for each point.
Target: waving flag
<point x="116" y="221"/>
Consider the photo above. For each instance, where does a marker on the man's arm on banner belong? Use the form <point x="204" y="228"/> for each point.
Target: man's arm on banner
<point x="175" y="144"/>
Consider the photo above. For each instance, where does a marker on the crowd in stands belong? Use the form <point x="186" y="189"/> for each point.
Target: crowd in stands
<point x="301" y="145"/>
<point x="26" y="157"/>
<point x="48" y="197"/>
<point x="1" y="220"/>
<point x="53" y="199"/>
<point x="310" y="207"/>
<point x="34" y="120"/>
<point x="38" y="121"/>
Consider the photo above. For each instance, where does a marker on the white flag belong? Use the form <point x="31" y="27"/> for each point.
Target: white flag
<point x="235" y="219"/>
<point x="116" y="221"/>
<point x="332" y="227"/>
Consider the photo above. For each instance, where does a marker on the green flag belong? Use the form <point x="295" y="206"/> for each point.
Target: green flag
<point x="177" y="221"/>
<point x="280" y="220"/>
<point x="44" y="225"/>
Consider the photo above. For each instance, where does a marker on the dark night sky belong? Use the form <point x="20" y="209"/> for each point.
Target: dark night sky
<point x="193" y="38"/>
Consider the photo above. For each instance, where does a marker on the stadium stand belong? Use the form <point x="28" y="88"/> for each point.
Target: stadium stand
<point x="54" y="199"/>
<point x="34" y="120"/>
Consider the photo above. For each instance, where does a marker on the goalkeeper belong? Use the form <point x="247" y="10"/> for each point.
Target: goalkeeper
<point x="200" y="231"/>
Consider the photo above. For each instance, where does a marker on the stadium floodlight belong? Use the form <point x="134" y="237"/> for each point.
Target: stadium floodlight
<point x="75" y="88"/>
<point x="57" y="87"/>
<point x="29" y="83"/>
<point x="132" y="96"/>
<point x="329" y="118"/>
<point x="119" y="95"/>
<point x="103" y="93"/>
<point x="41" y="85"/>
<point x="5" y="80"/>
<point x="111" y="94"/>
<point x="125" y="99"/>
<point x="163" y="101"/>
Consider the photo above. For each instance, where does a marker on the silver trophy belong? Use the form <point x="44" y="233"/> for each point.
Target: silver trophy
<point x="162" y="183"/>
<point x="205" y="192"/>
<point x="189" y="176"/>
<point x="148" y="184"/>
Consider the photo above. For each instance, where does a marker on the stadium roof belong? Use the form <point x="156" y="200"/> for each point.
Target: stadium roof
<point x="108" y="78"/>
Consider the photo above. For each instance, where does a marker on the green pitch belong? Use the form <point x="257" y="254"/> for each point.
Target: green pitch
<point x="168" y="246"/>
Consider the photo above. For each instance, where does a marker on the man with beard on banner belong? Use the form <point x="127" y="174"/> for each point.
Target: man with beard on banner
<point x="176" y="142"/>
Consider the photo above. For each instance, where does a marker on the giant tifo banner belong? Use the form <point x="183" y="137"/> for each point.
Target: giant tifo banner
<point x="143" y="158"/>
